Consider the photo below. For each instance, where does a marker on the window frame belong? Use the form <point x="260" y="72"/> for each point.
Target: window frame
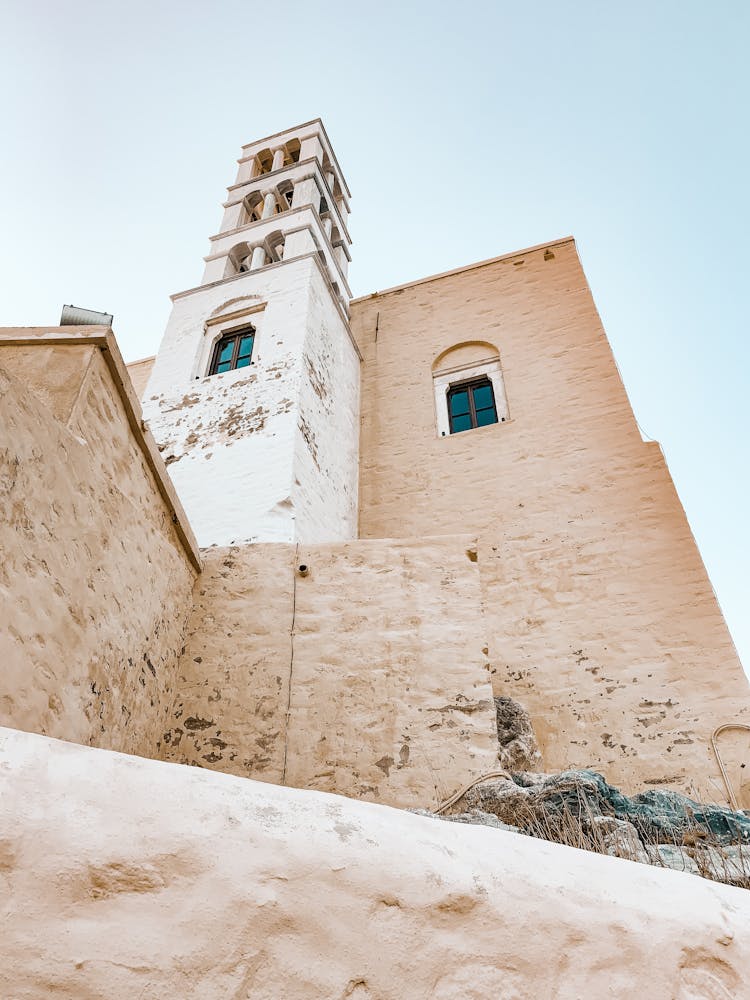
<point x="449" y="375"/>
<point x="237" y="336"/>
<point x="468" y="386"/>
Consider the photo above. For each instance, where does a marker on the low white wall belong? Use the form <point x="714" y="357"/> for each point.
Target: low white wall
<point x="126" y="878"/>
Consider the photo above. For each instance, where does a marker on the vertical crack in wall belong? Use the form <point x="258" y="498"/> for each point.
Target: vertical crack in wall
<point x="291" y="660"/>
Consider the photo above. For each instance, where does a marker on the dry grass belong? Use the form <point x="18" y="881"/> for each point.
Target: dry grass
<point x="578" y="826"/>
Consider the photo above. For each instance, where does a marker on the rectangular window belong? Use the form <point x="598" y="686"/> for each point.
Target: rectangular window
<point x="234" y="350"/>
<point x="471" y="405"/>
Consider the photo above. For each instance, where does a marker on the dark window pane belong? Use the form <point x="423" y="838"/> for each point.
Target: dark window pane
<point x="483" y="397"/>
<point x="246" y="347"/>
<point x="485" y="417"/>
<point x="234" y="352"/>
<point x="459" y="403"/>
<point x="460" y="423"/>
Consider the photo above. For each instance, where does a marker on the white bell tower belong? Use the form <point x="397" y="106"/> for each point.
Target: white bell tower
<point x="254" y="394"/>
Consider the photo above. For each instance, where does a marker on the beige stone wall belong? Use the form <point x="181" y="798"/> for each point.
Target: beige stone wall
<point x="126" y="878"/>
<point x="602" y="619"/>
<point x="95" y="581"/>
<point x="140" y="372"/>
<point x="368" y="676"/>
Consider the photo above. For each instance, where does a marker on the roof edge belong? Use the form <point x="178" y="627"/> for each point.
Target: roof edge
<point x="466" y="267"/>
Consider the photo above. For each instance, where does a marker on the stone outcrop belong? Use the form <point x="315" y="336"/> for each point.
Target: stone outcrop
<point x="519" y="750"/>
<point x="581" y="809"/>
<point x="129" y="878"/>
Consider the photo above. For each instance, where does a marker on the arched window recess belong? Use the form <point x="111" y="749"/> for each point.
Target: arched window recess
<point x="253" y="206"/>
<point x="469" y="388"/>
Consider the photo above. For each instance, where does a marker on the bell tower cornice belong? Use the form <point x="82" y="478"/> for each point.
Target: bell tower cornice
<point x="289" y="200"/>
<point x="307" y="130"/>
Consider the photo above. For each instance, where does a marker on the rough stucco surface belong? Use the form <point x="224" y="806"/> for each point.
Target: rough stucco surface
<point x="94" y="585"/>
<point x="382" y="646"/>
<point x="326" y="459"/>
<point x="140" y="373"/>
<point x="602" y="620"/>
<point x="268" y="452"/>
<point x="129" y="878"/>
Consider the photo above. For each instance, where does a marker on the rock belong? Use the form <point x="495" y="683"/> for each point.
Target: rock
<point x="578" y="793"/>
<point x="482" y="819"/>
<point x="658" y="816"/>
<point x="500" y="796"/>
<point x="667" y="815"/>
<point x="618" y="838"/>
<point x="527" y="779"/>
<point x="519" y="750"/>
<point x="476" y="816"/>
<point x="672" y="856"/>
<point x="730" y="864"/>
<point x="580" y="809"/>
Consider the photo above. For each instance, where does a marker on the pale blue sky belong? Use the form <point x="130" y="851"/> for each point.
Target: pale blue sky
<point x="465" y="131"/>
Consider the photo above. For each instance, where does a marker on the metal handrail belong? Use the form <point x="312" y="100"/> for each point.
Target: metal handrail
<point x="727" y="783"/>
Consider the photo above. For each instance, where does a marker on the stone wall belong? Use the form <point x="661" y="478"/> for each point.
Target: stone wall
<point x="128" y="878"/>
<point x="96" y="578"/>
<point x="367" y="676"/>
<point x="602" y="619"/>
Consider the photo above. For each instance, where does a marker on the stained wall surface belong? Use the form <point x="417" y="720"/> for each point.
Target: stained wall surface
<point x="367" y="676"/>
<point x="602" y="619"/>
<point x="268" y="452"/>
<point x="140" y="372"/>
<point x="95" y="585"/>
<point x="132" y="878"/>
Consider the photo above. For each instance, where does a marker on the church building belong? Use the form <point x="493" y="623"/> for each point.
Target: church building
<point x="326" y="534"/>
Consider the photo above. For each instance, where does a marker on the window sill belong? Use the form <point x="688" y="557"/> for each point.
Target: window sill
<point x="473" y="430"/>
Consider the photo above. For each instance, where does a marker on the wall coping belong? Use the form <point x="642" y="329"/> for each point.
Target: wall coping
<point x="267" y="267"/>
<point x="103" y="338"/>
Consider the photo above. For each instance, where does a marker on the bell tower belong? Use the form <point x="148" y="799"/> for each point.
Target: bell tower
<point x="254" y="394"/>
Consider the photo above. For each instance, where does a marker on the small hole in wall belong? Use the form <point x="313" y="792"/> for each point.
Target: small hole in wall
<point x="303" y="569"/>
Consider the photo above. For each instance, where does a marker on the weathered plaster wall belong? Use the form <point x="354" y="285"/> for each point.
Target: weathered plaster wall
<point x="326" y="459"/>
<point x="602" y="619"/>
<point x="95" y="585"/>
<point x="140" y="373"/>
<point x="266" y="452"/>
<point x="130" y="878"/>
<point x="368" y="676"/>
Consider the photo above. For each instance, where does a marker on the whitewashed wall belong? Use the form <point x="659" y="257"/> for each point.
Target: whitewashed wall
<point x="326" y="451"/>
<point x="257" y="454"/>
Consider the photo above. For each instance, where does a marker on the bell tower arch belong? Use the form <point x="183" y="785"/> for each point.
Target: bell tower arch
<point x="254" y="394"/>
